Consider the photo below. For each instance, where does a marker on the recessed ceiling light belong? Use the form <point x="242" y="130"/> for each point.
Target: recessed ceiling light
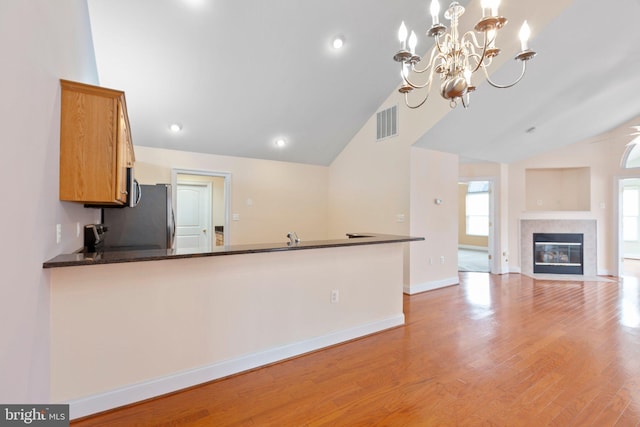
<point x="194" y="2"/>
<point x="280" y="142"/>
<point x="338" y="42"/>
<point x="176" y="127"/>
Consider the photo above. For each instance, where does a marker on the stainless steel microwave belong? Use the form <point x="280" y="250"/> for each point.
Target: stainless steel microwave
<point x="134" y="193"/>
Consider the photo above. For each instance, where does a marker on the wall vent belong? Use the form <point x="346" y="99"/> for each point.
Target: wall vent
<point x="387" y="123"/>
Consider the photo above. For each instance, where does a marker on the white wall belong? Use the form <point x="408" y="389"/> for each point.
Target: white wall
<point x="41" y="41"/>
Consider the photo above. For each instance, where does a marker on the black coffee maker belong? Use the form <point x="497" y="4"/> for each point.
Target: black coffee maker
<point x="94" y="237"/>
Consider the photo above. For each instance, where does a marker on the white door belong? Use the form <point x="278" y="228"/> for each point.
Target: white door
<point x="193" y="222"/>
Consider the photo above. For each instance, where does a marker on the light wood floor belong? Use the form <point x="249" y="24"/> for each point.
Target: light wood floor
<point x="495" y="351"/>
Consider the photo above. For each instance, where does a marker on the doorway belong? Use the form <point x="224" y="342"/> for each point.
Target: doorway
<point x="202" y="209"/>
<point x="475" y="225"/>
<point x="629" y="227"/>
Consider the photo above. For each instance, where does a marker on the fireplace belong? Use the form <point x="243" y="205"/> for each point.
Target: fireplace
<point x="586" y="227"/>
<point x="558" y="253"/>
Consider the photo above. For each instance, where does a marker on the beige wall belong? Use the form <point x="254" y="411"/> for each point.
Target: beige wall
<point x="558" y="189"/>
<point x="603" y="159"/>
<point x="41" y="41"/>
<point x="433" y="262"/>
<point x="365" y="191"/>
<point x="270" y="197"/>
<point x="601" y="156"/>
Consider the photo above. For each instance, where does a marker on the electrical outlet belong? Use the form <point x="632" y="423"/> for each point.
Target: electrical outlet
<point x="78" y="229"/>
<point x="58" y="233"/>
<point x="335" y="296"/>
<point x="442" y="259"/>
<point x="430" y="260"/>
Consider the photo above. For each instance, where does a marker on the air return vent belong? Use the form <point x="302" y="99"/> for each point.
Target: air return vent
<point x="387" y="121"/>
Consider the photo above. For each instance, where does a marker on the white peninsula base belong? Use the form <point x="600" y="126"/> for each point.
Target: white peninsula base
<point x="121" y="333"/>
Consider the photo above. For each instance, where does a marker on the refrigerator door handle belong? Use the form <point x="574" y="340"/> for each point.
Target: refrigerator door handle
<point x="138" y="191"/>
<point x="173" y="229"/>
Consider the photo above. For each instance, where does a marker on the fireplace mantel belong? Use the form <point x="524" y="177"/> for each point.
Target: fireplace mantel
<point x="587" y="227"/>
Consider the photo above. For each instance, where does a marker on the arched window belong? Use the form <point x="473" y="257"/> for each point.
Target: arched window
<point x="631" y="156"/>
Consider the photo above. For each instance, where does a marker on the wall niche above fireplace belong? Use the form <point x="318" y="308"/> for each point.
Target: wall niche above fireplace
<point x="558" y="189"/>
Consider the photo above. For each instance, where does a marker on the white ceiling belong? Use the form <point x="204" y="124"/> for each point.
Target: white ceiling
<point x="237" y="74"/>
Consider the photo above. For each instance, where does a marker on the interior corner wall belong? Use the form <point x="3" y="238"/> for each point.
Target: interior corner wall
<point x="369" y="180"/>
<point x="434" y="205"/>
<point x="41" y="41"/>
<point x="368" y="186"/>
<point x="603" y="158"/>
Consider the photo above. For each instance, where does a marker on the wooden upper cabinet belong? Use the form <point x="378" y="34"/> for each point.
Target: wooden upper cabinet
<point x="95" y="145"/>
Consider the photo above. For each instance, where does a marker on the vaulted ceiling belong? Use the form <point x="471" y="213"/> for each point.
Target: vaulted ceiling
<point x="237" y="75"/>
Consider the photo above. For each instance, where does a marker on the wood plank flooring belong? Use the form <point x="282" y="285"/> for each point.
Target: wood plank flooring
<point x="495" y="351"/>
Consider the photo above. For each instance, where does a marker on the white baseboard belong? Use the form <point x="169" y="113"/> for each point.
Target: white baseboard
<point x="604" y="272"/>
<point x="429" y="286"/>
<point x="170" y="383"/>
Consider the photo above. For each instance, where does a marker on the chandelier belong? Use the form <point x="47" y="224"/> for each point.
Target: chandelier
<point x="456" y="58"/>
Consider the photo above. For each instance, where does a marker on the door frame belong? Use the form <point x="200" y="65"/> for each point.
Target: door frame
<point x="618" y="247"/>
<point x="227" y="193"/>
<point x="494" y="260"/>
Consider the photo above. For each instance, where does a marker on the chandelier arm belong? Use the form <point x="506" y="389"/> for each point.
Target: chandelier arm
<point x="499" y="86"/>
<point x="437" y="47"/>
<point x="428" y="91"/>
<point x="471" y="35"/>
<point x="474" y="43"/>
<point x="430" y="63"/>
<point x="447" y="42"/>
<point x="479" y="61"/>
<point x="413" y="107"/>
<point x="419" y="86"/>
<point x="465" y="100"/>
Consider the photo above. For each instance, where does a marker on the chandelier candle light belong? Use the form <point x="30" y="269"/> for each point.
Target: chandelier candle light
<point x="456" y="58"/>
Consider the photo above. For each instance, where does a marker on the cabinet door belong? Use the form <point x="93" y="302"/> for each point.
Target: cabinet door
<point x="121" y="157"/>
<point x="95" y="145"/>
<point x="87" y="147"/>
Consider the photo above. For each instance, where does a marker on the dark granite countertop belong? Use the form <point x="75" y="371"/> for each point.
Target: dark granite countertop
<point x="81" y="258"/>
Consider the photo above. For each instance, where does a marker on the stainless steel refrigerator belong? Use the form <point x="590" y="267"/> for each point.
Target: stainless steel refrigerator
<point x="148" y="225"/>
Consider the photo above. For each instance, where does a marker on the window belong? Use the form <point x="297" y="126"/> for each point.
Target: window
<point x="477" y="208"/>
<point x="630" y="210"/>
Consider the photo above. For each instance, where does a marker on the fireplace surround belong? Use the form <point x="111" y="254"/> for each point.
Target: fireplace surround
<point x="586" y="227"/>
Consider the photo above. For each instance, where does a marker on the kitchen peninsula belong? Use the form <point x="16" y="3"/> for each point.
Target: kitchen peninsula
<point x="129" y="326"/>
